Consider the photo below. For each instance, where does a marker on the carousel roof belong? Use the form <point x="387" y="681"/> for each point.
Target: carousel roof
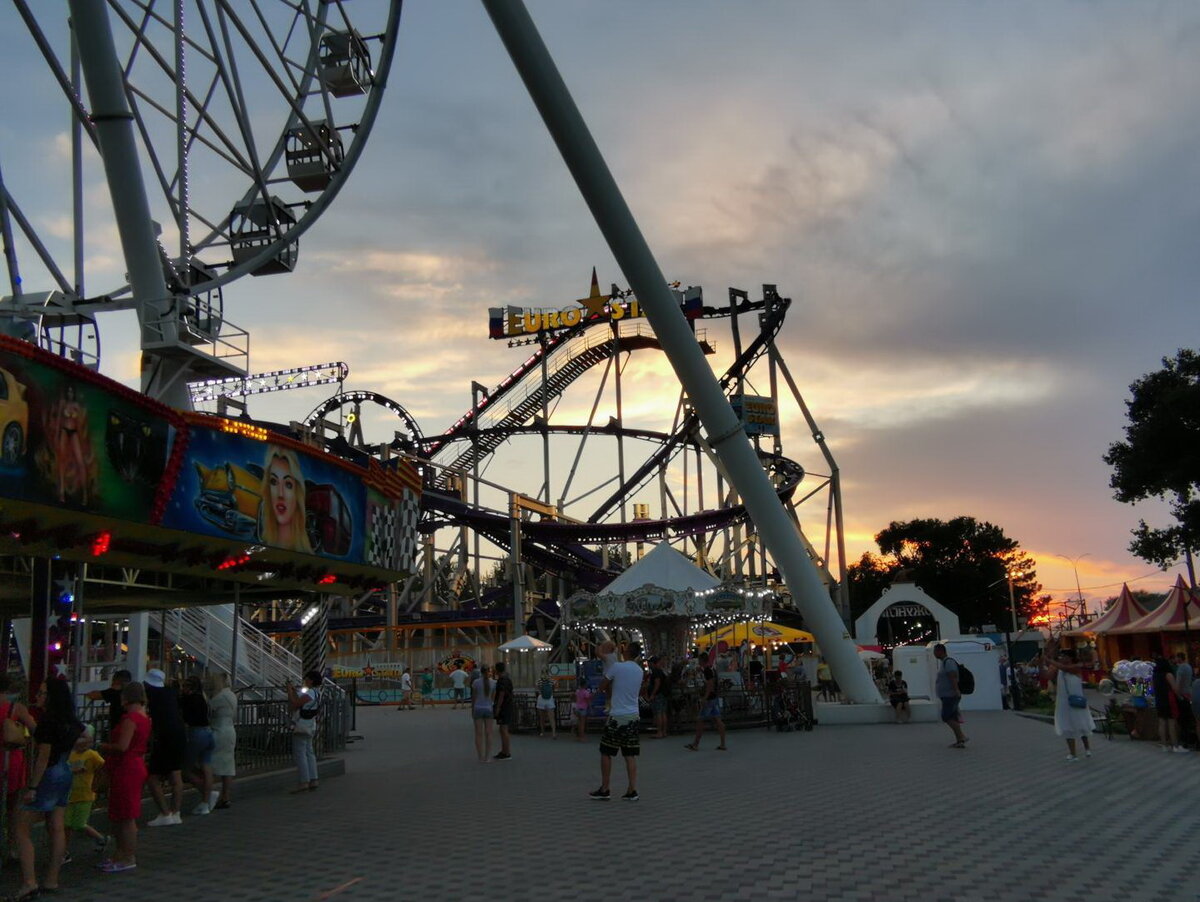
<point x="1124" y="612"/>
<point x="665" y="568"/>
<point x="1167" y="617"/>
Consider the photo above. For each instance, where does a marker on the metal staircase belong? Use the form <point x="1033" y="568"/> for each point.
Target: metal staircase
<point x="207" y="633"/>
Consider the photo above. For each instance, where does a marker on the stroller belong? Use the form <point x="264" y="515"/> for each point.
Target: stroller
<point x="787" y="715"/>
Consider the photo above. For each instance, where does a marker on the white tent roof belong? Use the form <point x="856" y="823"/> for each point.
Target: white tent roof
<point x="665" y="568"/>
<point x="526" y="643"/>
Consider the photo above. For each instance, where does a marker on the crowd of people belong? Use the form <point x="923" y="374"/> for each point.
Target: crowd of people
<point x="154" y="737"/>
<point x="630" y="688"/>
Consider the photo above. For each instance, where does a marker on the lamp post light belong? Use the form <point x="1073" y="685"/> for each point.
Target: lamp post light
<point x="1011" y="676"/>
<point x="1075" y="568"/>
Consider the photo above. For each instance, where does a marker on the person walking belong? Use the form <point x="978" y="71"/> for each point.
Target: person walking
<point x="200" y="741"/>
<point x="482" y="713"/>
<point x="624" y="718"/>
<point x="222" y="712"/>
<point x="583" y="701"/>
<point x="14" y="759"/>
<point x="1166" y="704"/>
<point x="1184" y="682"/>
<point x="824" y="681"/>
<point x="406" y="691"/>
<point x="710" y="710"/>
<point x="49" y="787"/>
<point x="168" y="750"/>
<point x="459" y="679"/>
<point x="657" y="693"/>
<point x="504" y="709"/>
<point x="546" y="705"/>
<point x="85" y="762"/>
<point x="945" y="686"/>
<point x="1072" y="717"/>
<point x="125" y="761"/>
<point x="305" y="703"/>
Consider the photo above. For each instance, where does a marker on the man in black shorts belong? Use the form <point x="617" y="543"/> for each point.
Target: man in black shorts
<point x="505" y="708"/>
<point x="168" y="748"/>
<point x="624" y="718"/>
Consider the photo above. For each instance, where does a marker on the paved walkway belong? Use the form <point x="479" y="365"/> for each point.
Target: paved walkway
<point x="841" y="813"/>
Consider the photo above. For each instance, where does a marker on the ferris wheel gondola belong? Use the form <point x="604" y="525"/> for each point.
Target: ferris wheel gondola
<point x="249" y="117"/>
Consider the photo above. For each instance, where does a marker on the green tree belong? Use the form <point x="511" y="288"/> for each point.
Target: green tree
<point x="961" y="563"/>
<point x="1160" y="458"/>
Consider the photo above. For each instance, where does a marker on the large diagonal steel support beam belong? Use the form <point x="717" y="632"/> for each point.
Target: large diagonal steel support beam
<point x="725" y="435"/>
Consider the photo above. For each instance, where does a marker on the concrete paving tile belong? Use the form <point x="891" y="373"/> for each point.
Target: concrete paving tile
<point x="847" y="813"/>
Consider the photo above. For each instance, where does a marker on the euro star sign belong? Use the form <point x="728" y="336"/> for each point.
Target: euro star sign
<point x="595" y="301"/>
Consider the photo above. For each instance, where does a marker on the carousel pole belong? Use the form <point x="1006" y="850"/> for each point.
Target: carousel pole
<point x="726" y="436"/>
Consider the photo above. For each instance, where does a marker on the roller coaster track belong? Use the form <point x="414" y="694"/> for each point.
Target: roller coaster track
<point x="515" y="403"/>
<point x="559" y="545"/>
<point x="508" y="411"/>
<point x="568" y="355"/>
<point x="772" y="322"/>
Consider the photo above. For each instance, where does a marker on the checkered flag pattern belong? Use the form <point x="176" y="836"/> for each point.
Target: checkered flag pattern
<point x="314" y="636"/>
<point x="381" y="549"/>
<point x="406" y="531"/>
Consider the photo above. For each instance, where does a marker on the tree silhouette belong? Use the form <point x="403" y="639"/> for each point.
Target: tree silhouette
<point x="961" y="563"/>
<point x="1160" y="458"/>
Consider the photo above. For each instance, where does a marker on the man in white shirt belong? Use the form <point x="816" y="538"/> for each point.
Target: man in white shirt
<point x="458" y="682"/>
<point x="624" y="718"/>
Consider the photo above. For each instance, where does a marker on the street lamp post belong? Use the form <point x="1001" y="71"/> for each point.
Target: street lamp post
<point x="1011" y="676"/>
<point x="1075" y="568"/>
<point x="1014" y="687"/>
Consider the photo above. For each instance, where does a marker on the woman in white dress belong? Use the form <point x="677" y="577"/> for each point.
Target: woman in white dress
<point x="1071" y="723"/>
<point x="222" y="714"/>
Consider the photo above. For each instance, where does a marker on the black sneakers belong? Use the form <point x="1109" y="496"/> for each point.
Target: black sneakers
<point x="501" y="756"/>
<point x="600" y="795"/>
<point x="631" y="796"/>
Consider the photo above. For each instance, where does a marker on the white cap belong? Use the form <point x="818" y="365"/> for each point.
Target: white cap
<point x="156" y="678"/>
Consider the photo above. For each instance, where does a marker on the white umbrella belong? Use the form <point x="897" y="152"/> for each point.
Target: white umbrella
<point x="865" y="654"/>
<point x="526" y="643"/>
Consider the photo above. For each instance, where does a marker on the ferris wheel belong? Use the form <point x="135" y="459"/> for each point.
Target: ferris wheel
<point x="248" y="116"/>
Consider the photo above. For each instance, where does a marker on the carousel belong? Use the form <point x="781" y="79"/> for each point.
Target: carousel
<point x="665" y="602"/>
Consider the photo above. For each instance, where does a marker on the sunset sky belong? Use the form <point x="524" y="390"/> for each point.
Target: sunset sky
<point x="986" y="216"/>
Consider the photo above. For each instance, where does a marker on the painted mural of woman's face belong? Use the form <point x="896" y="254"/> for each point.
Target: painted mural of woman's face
<point x="282" y="486"/>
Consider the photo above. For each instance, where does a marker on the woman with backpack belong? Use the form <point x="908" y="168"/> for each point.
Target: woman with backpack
<point x="305" y="704"/>
<point x="546" y="705"/>
<point x="49" y="785"/>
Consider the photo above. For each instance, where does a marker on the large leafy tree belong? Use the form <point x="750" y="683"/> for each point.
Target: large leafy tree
<point x="961" y="563"/>
<point x="1160" y="457"/>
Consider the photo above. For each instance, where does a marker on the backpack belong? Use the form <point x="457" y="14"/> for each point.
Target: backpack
<point x="546" y="688"/>
<point x="966" y="679"/>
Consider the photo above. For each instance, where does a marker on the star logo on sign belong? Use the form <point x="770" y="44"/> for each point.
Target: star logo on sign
<point x="368" y="671"/>
<point x="595" y="301"/>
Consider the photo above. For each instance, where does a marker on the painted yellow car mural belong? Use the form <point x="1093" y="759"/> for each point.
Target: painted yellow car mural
<point x="14" y="419"/>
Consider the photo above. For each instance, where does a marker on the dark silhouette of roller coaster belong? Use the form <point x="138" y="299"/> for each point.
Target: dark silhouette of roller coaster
<point x="573" y="549"/>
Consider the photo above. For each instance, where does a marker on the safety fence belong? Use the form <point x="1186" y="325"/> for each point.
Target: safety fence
<point x="264" y="725"/>
<point x="784" y="706"/>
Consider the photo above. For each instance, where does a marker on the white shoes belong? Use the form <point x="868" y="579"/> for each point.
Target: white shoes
<point x="1071" y="759"/>
<point x="202" y="809"/>
<point x="1180" y="750"/>
<point x="166" y="820"/>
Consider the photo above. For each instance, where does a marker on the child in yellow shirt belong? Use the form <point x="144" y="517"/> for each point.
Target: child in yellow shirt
<point x="84" y="762"/>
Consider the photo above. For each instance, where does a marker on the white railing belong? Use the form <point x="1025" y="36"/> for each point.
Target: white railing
<point x="207" y="633"/>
